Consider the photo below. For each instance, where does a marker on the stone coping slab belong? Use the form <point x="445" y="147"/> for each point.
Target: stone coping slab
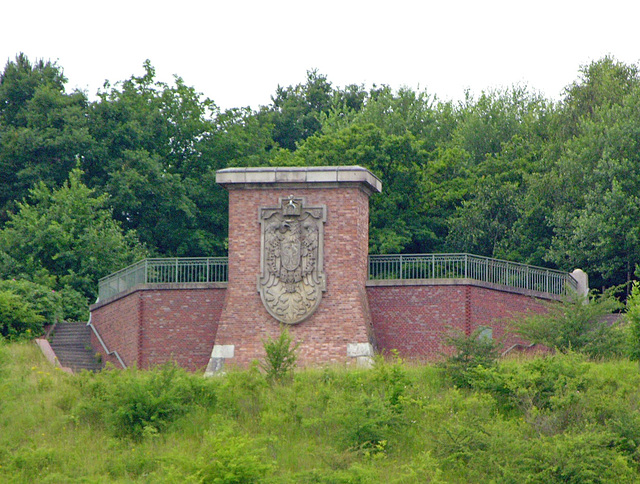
<point x="165" y="286"/>
<point x="462" y="282"/>
<point x="302" y="176"/>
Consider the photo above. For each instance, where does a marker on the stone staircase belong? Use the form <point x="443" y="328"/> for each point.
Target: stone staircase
<point x="72" y="345"/>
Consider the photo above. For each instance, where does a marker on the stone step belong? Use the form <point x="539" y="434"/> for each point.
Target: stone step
<point x="72" y="344"/>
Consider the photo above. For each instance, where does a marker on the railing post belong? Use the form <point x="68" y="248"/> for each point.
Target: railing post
<point x="546" y="282"/>
<point x="401" y="268"/>
<point x="146" y="271"/>
<point x="466" y="259"/>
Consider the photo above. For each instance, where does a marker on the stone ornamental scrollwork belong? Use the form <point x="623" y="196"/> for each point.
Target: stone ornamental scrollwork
<point x="292" y="279"/>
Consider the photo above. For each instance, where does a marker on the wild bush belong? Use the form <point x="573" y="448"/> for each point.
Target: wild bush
<point x="470" y="352"/>
<point x="135" y="404"/>
<point x="633" y="318"/>
<point x="41" y="298"/>
<point x="280" y="356"/>
<point x="231" y="458"/>
<point x="578" y="323"/>
<point x="540" y="384"/>
<point x="579" y="458"/>
<point x="390" y="377"/>
<point x="369" y="407"/>
<point x="17" y="318"/>
<point x="227" y="455"/>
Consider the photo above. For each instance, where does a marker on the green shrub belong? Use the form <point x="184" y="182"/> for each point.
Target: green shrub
<point x="368" y="407"/>
<point x="280" y="356"/>
<point x="42" y="299"/>
<point x="75" y="306"/>
<point x="470" y="352"/>
<point x="390" y="377"/>
<point x="582" y="458"/>
<point x="226" y="456"/>
<point x="231" y="458"/>
<point x="577" y="324"/>
<point x="137" y="404"/>
<point x="633" y="317"/>
<point x="17" y="317"/>
<point x="26" y="306"/>
<point x="535" y="387"/>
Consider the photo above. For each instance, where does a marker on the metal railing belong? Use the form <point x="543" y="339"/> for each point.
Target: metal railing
<point x="467" y="266"/>
<point x="398" y="267"/>
<point x="164" y="271"/>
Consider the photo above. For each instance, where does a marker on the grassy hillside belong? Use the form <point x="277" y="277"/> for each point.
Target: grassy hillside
<point x="545" y="420"/>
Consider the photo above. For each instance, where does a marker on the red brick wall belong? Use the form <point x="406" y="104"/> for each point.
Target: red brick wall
<point x="152" y="326"/>
<point x="413" y="319"/>
<point x="179" y="325"/>
<point x="495" y="309"/>
<point x="118" y="323"/>
<point x="342" y="316"/>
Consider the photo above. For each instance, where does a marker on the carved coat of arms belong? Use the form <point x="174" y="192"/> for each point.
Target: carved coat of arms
<point x="292" y="279"/>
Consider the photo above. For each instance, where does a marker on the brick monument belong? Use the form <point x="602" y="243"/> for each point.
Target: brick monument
<point x="298" y="248"/>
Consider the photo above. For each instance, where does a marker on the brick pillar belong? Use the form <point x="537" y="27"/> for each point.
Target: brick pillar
<point x="339" y="329"/>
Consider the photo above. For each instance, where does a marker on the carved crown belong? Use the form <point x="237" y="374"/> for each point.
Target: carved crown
<point x="291" y="207"/>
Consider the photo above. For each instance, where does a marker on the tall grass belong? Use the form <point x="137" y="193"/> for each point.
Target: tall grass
<point x="554" y="419"/>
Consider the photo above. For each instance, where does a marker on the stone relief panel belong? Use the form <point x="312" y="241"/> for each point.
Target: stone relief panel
<point x="292" y="278"/>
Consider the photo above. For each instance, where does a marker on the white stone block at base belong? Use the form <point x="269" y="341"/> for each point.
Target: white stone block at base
<point x="223" y="351"/>
<point x="364" y="362"/>
<point x="355" y="350"/>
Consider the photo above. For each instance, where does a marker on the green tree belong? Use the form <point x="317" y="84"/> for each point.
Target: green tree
<point x="507" y="137"/>
<point x="596" y="221"/>
<point x="396" y="219"/>
<point x="19" y="82"/>
<point x="295" y="110"/>
<point x="43" y="130"/>
<point x="469" y="353"/>
<point x="604" y="82"/>
<point x="65" y="238"/>
<point x="481" y="225"/>
<point x="159" y="148"/>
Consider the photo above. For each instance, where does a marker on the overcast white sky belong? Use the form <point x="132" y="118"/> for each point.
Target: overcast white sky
<point x="237" y="52"/>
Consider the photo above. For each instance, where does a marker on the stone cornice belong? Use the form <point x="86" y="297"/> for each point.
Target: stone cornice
<point x="299" y="177"/>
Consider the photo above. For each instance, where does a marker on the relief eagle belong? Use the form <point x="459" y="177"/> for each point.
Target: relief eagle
<point x="292" y="279"/>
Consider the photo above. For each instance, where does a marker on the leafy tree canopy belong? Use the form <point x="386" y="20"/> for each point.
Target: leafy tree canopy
<point x="65" y="237"/>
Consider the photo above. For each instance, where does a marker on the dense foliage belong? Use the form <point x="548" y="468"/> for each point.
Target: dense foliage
<point x="504" y="173"/>
<point x="554" y="419"/>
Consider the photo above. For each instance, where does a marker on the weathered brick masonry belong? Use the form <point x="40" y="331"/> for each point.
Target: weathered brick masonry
<point x="151" y="326"/>
<point x="413" y="318"/>
<point x="154" y="324"/>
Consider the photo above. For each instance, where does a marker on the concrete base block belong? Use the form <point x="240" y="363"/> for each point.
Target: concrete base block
<point x="355" y="350"/>
<point x="364" y="362"/>
<point x="223" y="351"/>
<point x="219" y="354"/>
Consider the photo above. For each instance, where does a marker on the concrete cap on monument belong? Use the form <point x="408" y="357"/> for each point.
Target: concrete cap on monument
<point x="299" y="176"/>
